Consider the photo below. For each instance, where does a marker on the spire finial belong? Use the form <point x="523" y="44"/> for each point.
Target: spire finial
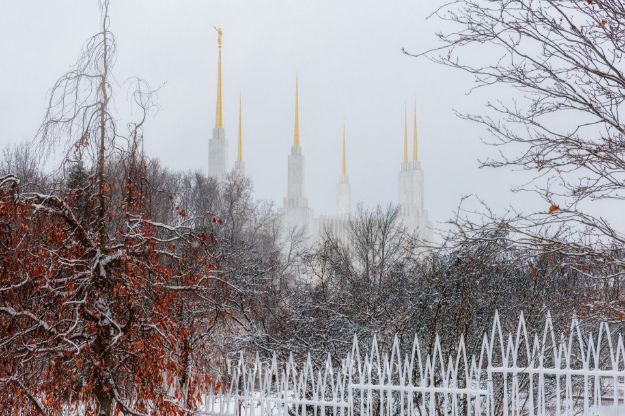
<point x="218" y="114"/>
<point x="240" y="135"/>
<point x="415" y="152"/>
<point x="296" y="127"/>
<point x="405" y="136"/>
<point x="343" y="164"/>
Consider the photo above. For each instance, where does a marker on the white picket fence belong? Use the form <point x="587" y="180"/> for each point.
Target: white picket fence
<point x="514" y="374"/>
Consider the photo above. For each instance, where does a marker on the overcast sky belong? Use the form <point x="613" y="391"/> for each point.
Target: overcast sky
<point x="347" y="55"/>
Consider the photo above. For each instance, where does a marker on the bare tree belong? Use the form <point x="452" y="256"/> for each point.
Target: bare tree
<point x="564" y="61"/>
<point x="22" y="161"/>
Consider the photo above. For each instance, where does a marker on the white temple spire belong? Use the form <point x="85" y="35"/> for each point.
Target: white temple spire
<point x="239" y="165"/>
<point x="343" y="189"/>
<point x="217" y="145"/>
<point x="296" y="210"/>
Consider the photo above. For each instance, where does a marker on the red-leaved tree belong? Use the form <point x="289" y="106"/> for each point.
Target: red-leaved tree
<point x="91" y="287"/>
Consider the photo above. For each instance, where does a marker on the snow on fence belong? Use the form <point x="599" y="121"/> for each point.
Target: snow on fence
<point x="514" y="374"/>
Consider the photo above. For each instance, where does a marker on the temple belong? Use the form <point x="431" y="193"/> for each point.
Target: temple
<point x="297" y="216"/>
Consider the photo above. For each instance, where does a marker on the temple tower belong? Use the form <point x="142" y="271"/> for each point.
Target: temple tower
<point x="410" y="185"/>
<point x="239" y="166"/>
<point x="343" y="189"/>
<point x="296" y="209"/>
<point x="217" y="145"/>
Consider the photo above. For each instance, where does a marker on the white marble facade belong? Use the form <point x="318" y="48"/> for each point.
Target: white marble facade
<point x="299" y="217"/>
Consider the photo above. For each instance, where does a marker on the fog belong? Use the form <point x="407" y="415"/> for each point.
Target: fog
<point x="347" y="56"/>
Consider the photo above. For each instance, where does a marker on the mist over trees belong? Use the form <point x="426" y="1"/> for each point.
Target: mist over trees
<point x="127" y="287"/>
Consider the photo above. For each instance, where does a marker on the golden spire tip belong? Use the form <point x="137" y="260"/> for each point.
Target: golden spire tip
<point x="240" y="135"/>
<point x="296" y="127"/>
<point x="218" y="112"/>
<point x="415" y="153"/>
<point x="405" y="135"/>
<point x="344" y="164"/>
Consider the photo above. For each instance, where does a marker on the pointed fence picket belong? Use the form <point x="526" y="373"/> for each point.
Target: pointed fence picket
<point x="514" y="374"/>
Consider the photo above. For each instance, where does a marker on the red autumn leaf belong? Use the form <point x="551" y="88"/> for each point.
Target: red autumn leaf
<point x="138" y="345"/>
<point x="553" y="208"/>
